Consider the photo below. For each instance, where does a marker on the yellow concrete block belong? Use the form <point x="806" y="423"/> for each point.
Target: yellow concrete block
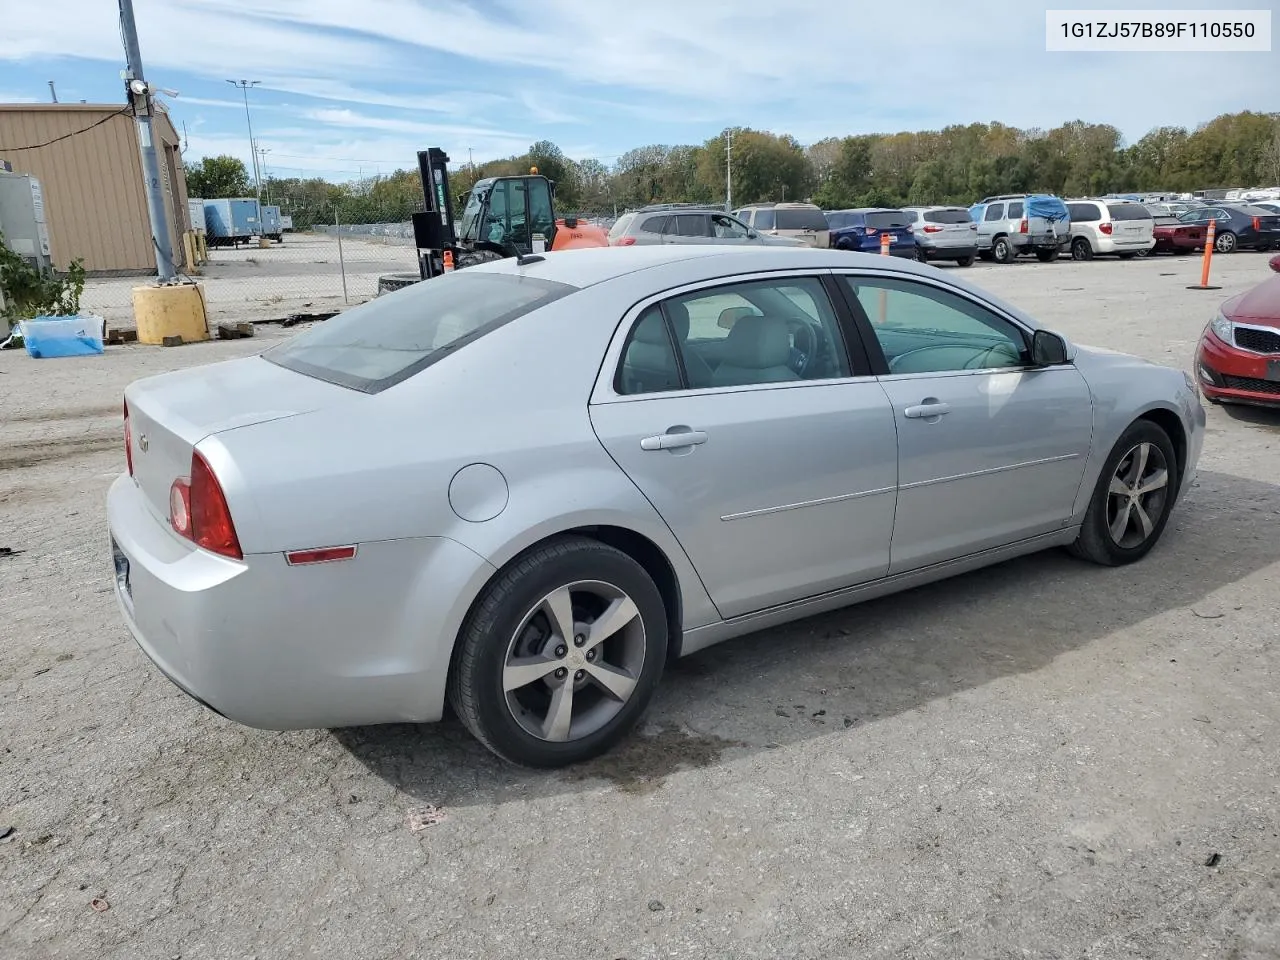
<point x="176" y="310"/>
<point x="264" y="243"/>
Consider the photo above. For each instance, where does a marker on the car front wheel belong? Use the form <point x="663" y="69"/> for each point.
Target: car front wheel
<point x="1132" y="500"/>
<point x="561" y="654"/>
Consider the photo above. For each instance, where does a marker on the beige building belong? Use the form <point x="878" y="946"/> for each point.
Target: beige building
<point x="89" y="164"/>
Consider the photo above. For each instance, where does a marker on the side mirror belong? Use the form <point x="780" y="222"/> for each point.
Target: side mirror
<point x="1275" y="263"/>
<point x="1047" y="349"/>
<point x="752" y="235"/>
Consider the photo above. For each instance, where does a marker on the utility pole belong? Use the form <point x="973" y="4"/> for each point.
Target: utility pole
<point x="263" y="151"/>
<point x="139" y="93"/>
<point x="244" y="86"/>
<point x="728" y="169"/>
<point x="53" y="91"/>
<point x="471" y="163"/>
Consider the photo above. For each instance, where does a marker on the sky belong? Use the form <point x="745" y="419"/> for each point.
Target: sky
<point x="355" y="87"/>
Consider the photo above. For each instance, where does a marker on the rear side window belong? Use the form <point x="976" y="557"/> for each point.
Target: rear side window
<point x="1084" y="212"/>
<point x="887" y="219"/>
<point x="389" y="339"/>
<point x="800" y="218"/>
<point x="655" y="224"/>
<point x="1015" y="209"/>
<point x="947" y="216"/>
<point x="764" y="219"/>
<point x="648" y="360"/>
<point x="994" y="212"/>
<point x="1128" y="211"/>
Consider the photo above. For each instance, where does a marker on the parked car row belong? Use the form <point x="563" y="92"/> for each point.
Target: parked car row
<point x="997" y="228"/>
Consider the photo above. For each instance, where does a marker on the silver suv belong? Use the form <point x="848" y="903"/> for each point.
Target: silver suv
<point x="687" y="223"/>
<point x="1015" y="224"/>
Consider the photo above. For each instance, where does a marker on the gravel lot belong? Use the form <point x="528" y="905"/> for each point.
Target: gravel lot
<point x="1042" y="759"/>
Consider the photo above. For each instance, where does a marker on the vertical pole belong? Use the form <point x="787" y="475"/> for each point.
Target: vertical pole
<point x="342" y="263"/>
<point x="142" y="110"/>
<point x="728" y="170"/>
<point x="1208" y="252"/>
<point x="53" y="91"/>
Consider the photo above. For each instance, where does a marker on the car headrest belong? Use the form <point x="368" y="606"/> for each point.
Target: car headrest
<point x="757" y="342"/>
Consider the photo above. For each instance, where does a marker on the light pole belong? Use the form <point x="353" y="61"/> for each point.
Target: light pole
<point x="728" y="170"/>
<point x="244" y="86"/>
<point x="263" y="151"/>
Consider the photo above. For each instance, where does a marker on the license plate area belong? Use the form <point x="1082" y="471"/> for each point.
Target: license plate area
<point x="1273" y="371"/>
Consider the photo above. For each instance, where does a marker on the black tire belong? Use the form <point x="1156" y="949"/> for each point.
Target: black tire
<point x="1096" y="542"/>
<point x="1127" y="255"/>
<point x="1047" y="256"/>
<point x="921" y="256"/>
<point x="1143" y="254"/>
<point x="986" y="256"/>
<point x="476" y="257"/>
<point x="964" y="262"/>
<point x="476" y="676"/>
<point x="1225" y="242"/>
<point x="391" y="282"/>
<point x="1081" y="249"/>
<point x="1003" y="250"/>
<point x="844" y="245"/>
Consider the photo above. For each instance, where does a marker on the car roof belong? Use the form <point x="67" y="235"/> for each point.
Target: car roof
<point x="591" y="265"/>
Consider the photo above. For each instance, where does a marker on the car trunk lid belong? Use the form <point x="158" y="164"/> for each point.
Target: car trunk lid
<point x="171" y="413"/>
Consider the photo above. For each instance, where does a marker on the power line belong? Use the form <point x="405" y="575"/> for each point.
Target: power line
<point x="68" y="136"/>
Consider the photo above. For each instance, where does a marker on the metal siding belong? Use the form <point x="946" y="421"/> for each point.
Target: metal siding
<point x="96" y="204"/>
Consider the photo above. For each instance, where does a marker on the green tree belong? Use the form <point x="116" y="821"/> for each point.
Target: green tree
<point x="215" y="177"/>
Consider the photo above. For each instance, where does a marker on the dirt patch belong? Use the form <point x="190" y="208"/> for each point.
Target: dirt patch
<point x="642" y="763"/>
<point x="48" y="451"/>
<point x="67" y="413"/>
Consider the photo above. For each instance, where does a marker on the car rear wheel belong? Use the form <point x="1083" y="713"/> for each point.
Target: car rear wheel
<point x="1133" y="498"/>
<point x="1225" y="242"/>
<point x="561" y="654"/>
<point x="1047" y="256"/>
<point x="1128" y="255"/>
<point x="965" y="261"/>
<point x="1002" y="250"/>
<point x="1081" y="249"/>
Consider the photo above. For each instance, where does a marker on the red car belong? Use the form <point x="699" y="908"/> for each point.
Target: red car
<point x="1238" y="360"/>
<point x="1174" y="236"/>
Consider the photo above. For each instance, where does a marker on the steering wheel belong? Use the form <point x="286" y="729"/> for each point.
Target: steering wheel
<point x="806" y="345"/>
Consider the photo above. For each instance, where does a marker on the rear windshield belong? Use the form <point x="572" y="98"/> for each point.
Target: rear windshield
<point x="887" y="219"/>
<point x="764" y="219"/>
<point x="1128" y="211"/>
<point x="838" y="221"/>
<point x="392" y="337"/>
<point x="947" y="216"/>
<point x="620" y="228"/>
<point x="791" y="218"/>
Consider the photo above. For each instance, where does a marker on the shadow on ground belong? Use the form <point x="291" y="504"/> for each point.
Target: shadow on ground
<point x="1254" y="416"/>
<point x="832" y="674"/>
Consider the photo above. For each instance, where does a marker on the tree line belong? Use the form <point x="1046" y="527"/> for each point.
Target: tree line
<point x="955" y="165"/>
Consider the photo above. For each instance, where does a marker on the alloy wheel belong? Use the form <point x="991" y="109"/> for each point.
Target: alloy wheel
<point x="574" y="661"/>
<point x="1138" y="495"/>
<point x="1225" y="243"/>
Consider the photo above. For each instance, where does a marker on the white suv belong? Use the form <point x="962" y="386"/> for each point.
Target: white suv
<point x="1122" y="227"/>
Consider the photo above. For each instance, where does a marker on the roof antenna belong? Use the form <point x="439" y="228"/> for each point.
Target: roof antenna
<point x="524" y="259"/>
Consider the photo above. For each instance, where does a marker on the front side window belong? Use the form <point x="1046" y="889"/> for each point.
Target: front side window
<point x="507" y="223"/>
<point x="739" y="334"/>
<point x="924" y="329"/>
<point x="383" y="341"/>
<point x="727" y="228"/>
<point x="540" y="210"/>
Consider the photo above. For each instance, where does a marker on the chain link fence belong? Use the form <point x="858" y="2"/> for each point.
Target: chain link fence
<point x="320" y="270"/>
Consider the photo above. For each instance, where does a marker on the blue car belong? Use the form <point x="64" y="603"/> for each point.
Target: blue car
<point x="861" y="230"/>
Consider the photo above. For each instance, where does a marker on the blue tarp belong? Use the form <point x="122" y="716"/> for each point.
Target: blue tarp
<point x="1047" y="206"/>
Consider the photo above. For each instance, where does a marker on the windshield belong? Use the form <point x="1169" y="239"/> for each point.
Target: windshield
<point x="470" y="214"/>
<point x="388" y="339"/>
<point x="799" y="218"/>
<point x="887" y="219"/>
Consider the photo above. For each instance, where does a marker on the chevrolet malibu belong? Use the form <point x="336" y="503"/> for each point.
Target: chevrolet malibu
<point x="524" y="488"/>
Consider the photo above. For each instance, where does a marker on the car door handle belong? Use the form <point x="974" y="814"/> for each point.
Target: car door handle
<point x="673" y="440"/>
<point x="925" y="410"/>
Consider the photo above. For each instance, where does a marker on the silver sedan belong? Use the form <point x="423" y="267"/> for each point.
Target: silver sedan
<point x="524" y="488"/>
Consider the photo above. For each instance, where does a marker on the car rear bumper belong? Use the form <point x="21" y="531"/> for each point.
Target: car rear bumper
<point x="952" y="251"/>
<point x="1122" y="244"/>
<point x="1228" y="373"/>
<point x="1047" y="241"/>
<point x="278" y="647"/>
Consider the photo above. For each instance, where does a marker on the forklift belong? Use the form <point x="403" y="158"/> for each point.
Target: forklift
<point x="501" y="217"/>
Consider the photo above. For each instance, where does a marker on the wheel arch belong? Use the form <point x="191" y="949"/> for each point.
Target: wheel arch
<point x="1169" y="421"/>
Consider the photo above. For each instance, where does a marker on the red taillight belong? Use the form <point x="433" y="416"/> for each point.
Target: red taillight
<point x="1105" y="227"/>
<point x="198" y="511"/>
<point x="128" y="440"/>
<point x="932" y="228"/>
<point x="624" y="241"/>
<point x="1257" y="223"/>
<point x="1022" y="225"/>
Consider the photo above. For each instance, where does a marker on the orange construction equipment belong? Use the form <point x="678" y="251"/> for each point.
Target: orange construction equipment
<point x="573" y="234"/>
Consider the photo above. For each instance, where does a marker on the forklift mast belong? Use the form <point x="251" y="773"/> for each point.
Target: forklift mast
<point x="433" y="232"/>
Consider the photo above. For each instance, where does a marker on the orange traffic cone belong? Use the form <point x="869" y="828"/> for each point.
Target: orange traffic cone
<point x="1206" y="260"/>
<point x="448" y="261"/>
<point x="884" y="244"/>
